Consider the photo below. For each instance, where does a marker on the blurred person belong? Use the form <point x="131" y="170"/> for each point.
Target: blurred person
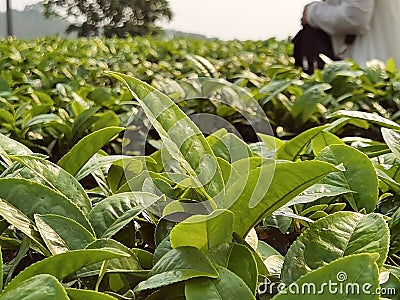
<point x="359" y="29"/>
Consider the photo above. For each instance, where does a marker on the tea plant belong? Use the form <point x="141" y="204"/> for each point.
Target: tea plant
<point x="180" y="223"/>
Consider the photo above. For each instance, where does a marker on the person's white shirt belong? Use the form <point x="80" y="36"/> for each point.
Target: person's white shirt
<point x="375" y="23"/>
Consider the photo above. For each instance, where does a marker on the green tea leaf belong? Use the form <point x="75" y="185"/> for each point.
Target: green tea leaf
<point x="43" y="119"/>
<point x="58" y="179"/>
<point x="12" y="147"/>
<point x="271" y="142"/>
<point x="126" y="264"/>
<point x="268" y="188"/>
<point x="127" y="168"/>
<point x="76" y="294"/>
<point x="203" y="65"/>
<point x="22" y="223"/>
<point x="359" y="175"/>
<point x="318" y="191"/>
<point x="95" y="164"/>
<point x="392" y="139"/>
<point x="305" y="105"/>
<point x="113" y="213"/>
<point x="145" y="258"/>
<point x="162" y="248"/>
<point x="335" y="236"/>
<point x="107" y="119"/>
<point x="293" y="148"/>
<point x="265" y="250"/>
<point x="210" y="230"/>
<point x="33" y="198"/>
<point x="351" y="277"/>
<point x="178" y="265"/>
<point x="74" y="235"/>
<point x="273" y="88"/>
<point x="171" y="292"/>
<point x="389" y="284"/>
<point x="373" y="118"/>
<point x="84" y="121"/>
<point x="64" y="264"/>
<point x="324" y="139"/>
<point x="238" y="259"/>
<point x="180" y="136"/>
<point x="77" y="157"/>
<point x="39" y="287"/>
<point x="230" y="148"/>
<point x="52" y="239"/>
<point x="228" y="286"/>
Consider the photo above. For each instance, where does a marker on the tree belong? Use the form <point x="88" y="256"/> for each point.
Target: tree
<point x="110" y="17"/>
<point x="9" y="18"/>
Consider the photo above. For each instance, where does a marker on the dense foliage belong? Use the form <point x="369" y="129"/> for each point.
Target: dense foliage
<point x="195" y="213"/>
<point x="44" y="92"/>
<point x="110" y="18"/>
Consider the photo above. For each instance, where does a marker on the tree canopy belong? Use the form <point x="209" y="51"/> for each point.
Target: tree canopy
<point x="110" y="17"/>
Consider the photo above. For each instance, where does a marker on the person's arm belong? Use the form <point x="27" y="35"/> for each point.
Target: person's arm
<point x="348" y="17"/>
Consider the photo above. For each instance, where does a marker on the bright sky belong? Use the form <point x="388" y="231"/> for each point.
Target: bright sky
<point x="228" y="19"/>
